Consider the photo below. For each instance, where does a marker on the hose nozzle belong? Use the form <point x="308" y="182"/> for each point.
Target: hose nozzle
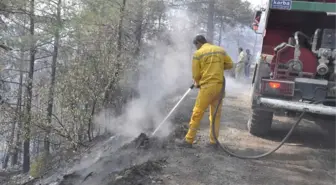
<point x="193" y="86"/>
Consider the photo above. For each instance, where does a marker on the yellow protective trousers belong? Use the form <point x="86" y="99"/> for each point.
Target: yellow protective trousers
<point x="239" y="71"/>
<point x="207" y="95"/>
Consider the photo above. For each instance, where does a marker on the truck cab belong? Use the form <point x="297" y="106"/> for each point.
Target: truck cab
<point x="296" y="71"/>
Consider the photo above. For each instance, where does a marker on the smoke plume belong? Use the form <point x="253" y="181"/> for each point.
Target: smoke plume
<point x="166" y="73"/>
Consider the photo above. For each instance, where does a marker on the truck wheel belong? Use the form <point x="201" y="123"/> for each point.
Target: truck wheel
<point x="262" y="70"/>
<point x="260" y="122"/>
<point x="329" y="127"/>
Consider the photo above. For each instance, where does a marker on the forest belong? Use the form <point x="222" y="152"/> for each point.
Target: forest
<point x="64" y="64"/>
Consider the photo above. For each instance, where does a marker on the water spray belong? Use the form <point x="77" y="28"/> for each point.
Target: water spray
<point x="143" y="138"/>
<point x="173" y="109"/>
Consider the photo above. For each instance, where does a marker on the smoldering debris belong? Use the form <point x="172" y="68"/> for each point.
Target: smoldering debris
<point x="135" y="162"/>
<point x="139" y="174"/>
<point x="143" y="141"/>
<point x="69" y="178"/>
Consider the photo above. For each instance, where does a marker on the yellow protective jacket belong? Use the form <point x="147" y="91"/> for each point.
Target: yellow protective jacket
<point x="209" y="63"/>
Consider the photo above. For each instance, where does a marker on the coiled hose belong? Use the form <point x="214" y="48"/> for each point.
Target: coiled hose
<point x="225" y="149"/>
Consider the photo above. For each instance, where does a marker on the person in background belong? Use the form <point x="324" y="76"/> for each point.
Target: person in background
<point x="240" y="65"/>
<point x="208" y="65"/>
<point x="248" y="63"/>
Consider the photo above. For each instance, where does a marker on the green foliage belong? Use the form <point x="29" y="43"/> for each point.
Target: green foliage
<point x="88" y="58"/>
<point x="38" y="167"/>
<point x="229" y="11"/>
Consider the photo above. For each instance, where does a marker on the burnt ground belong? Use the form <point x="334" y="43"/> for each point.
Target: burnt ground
<point x="307" y="159"/>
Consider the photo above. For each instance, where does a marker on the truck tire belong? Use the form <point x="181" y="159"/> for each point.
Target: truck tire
<point x="328" y="125"/>
<point x="261" y="70"/>
<point x="260" y="122"/>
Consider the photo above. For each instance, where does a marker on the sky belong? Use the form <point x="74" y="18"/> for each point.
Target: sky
<point x="255" y="3"/>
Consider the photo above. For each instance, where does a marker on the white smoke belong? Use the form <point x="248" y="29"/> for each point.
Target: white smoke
<point x="162" y="75"/>
<point x="166" y="72"/>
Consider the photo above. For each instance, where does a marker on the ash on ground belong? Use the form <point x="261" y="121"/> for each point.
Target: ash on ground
<point x="179" y="132"/>
<point x="116" y="160"/>
<point x="140" y="174"/>
<point x="143" y="141"/>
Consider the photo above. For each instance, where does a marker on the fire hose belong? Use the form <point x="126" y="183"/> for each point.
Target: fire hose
<point x="224" y="148"/>
<point x="228" y="151"/>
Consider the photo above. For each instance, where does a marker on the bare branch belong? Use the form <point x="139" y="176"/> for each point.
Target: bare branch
<point x="6" y="48"/>
<point x="5" y="81"/>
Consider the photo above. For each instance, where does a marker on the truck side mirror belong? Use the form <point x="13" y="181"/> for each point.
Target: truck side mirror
<point x="256" y="20"/>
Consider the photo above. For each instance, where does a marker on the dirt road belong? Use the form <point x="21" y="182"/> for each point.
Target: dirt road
<point x="307" y="159"/>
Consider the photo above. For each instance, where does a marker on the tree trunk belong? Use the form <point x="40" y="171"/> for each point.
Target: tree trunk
<point x="111" y="85"/>
<point x="37" y="144"/>
<point x="53" y="76"/>
<point x="26" y="143"/>
<point x="19" y="114"/>
<point x="220" y="32"/>
<point x="138" y="30"/>
<point x="120" y="29"/>
<point x="210" y="22"/>
<point x="6" y="157"/>
<point x="89" y="130"/>
<point x="10" y="142"/>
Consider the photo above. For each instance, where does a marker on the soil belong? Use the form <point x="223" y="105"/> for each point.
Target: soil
<point x="308" y="158"/>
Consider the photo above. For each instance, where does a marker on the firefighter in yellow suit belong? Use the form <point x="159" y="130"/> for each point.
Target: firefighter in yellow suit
<point x="240" y="66"/>
<point x="208" y="65"/>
